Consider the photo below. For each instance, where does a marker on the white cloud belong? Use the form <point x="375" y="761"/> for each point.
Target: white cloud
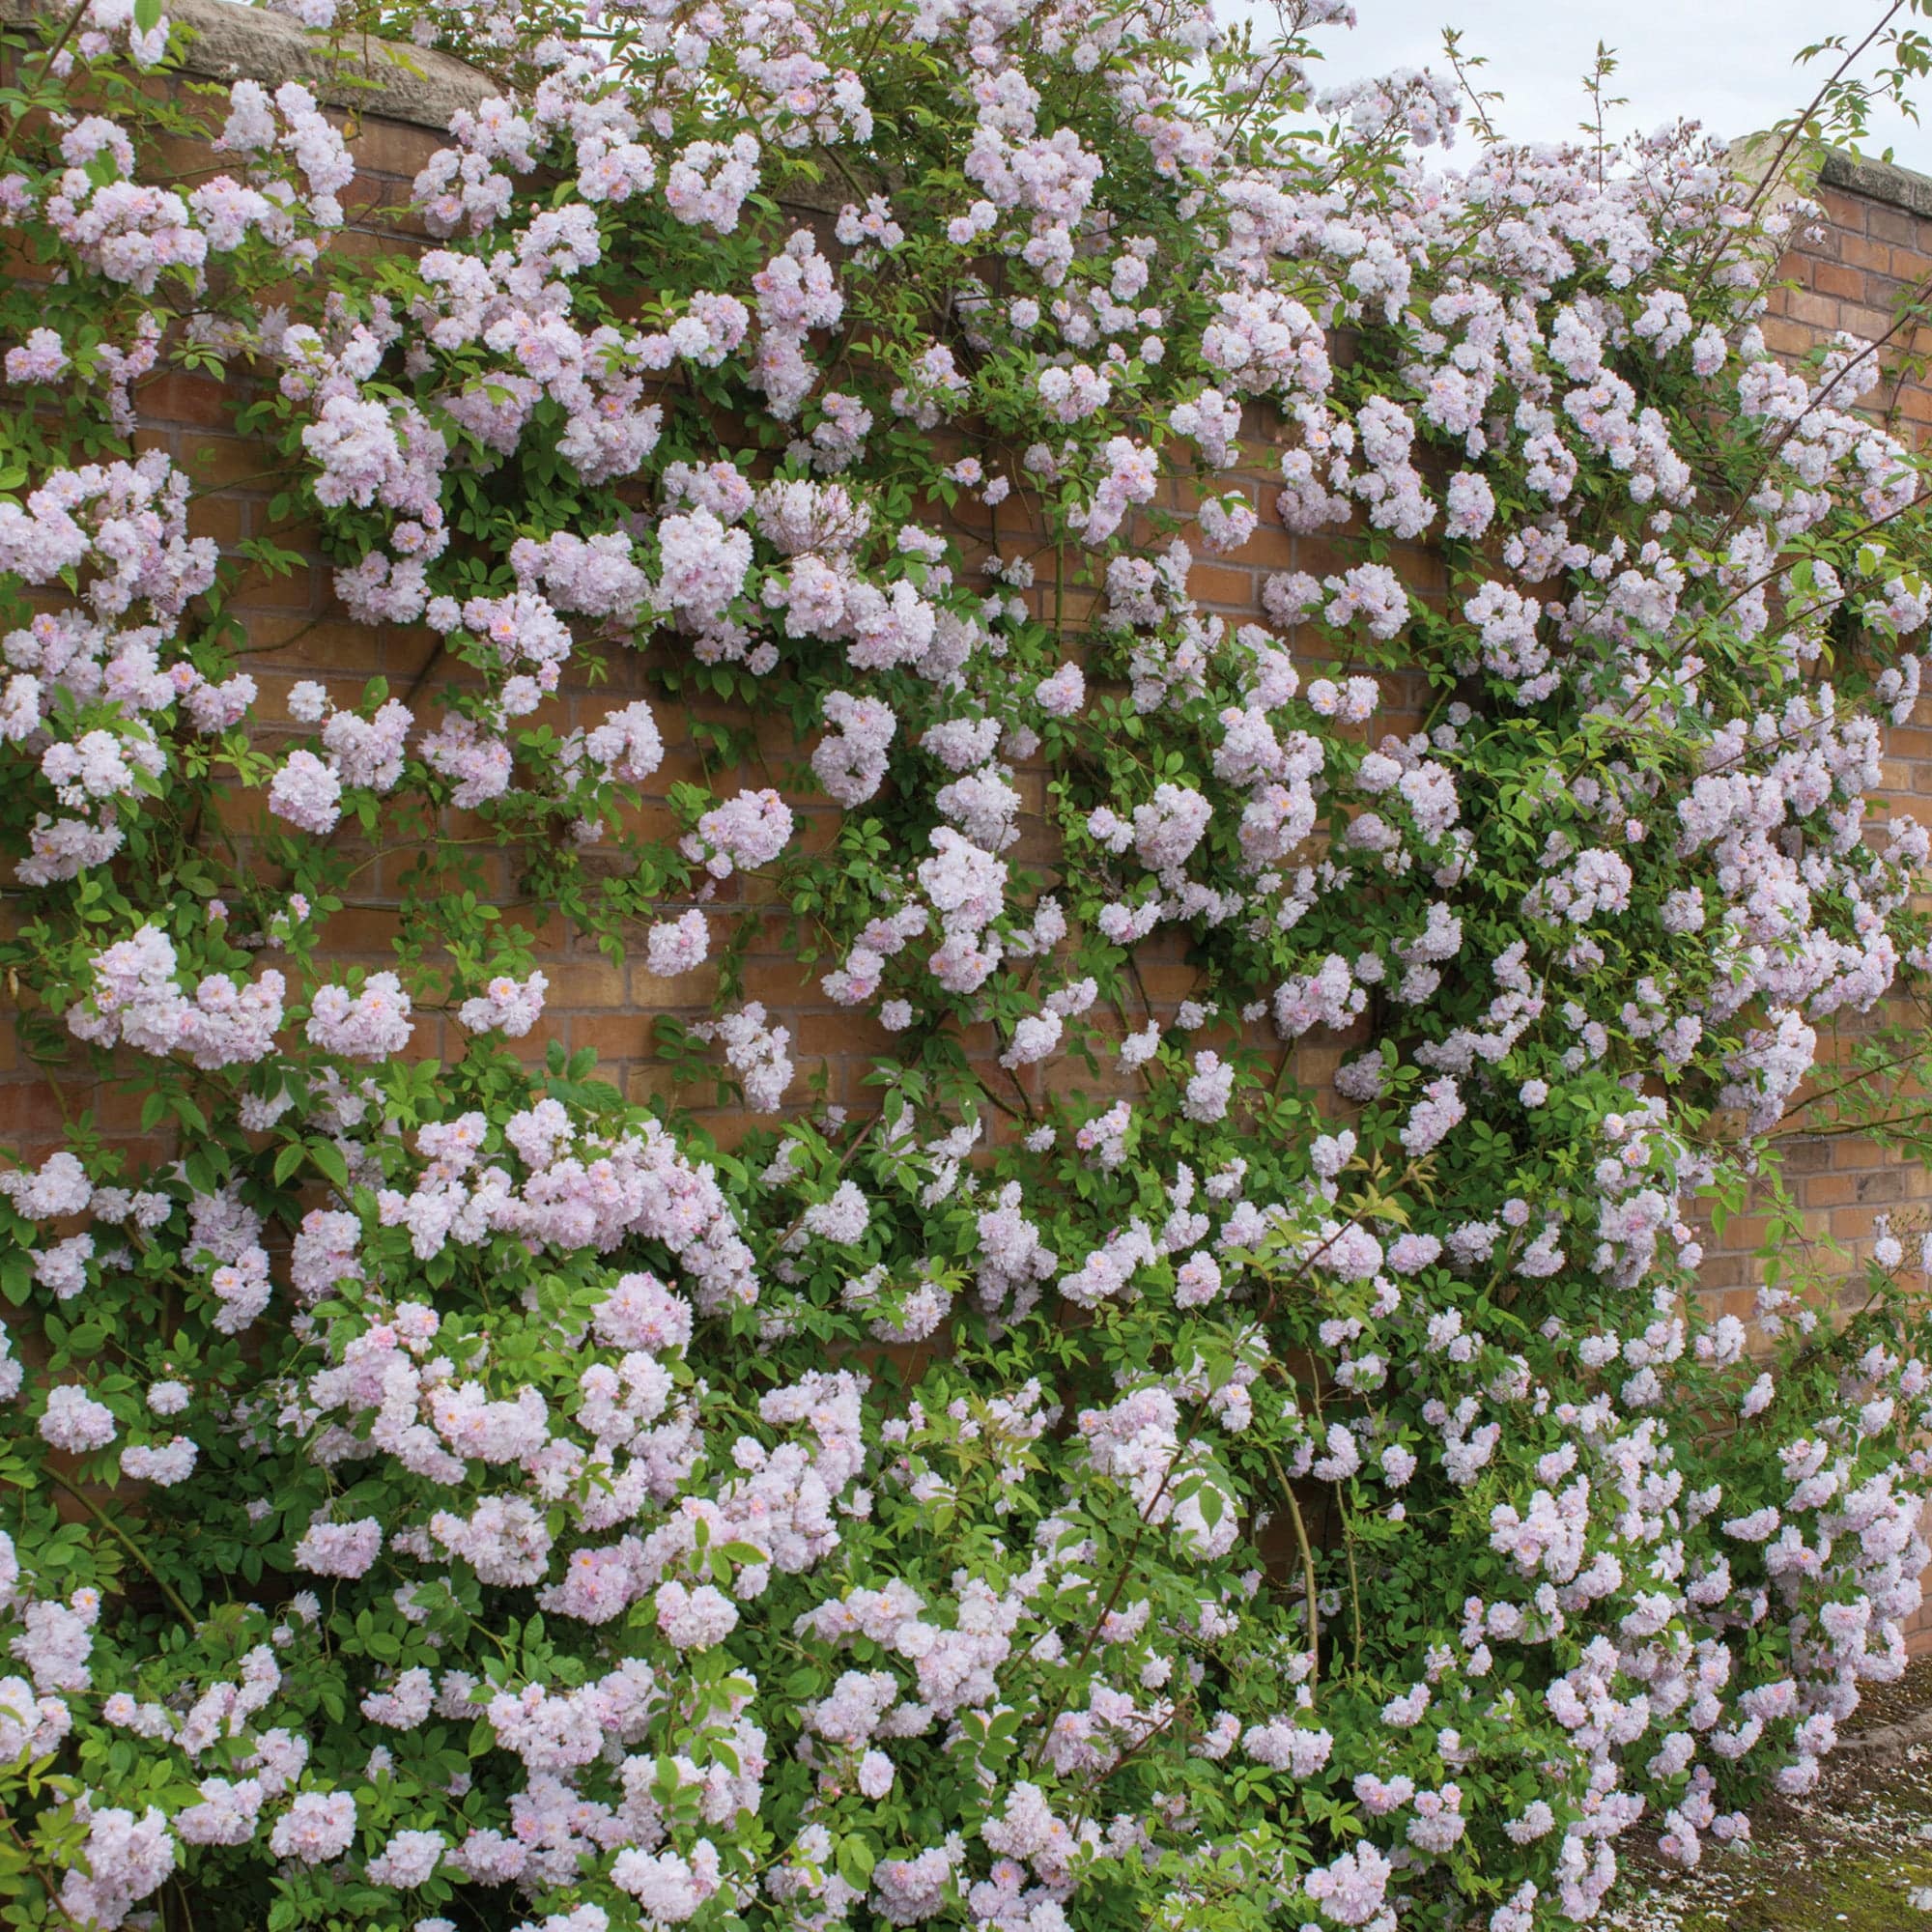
<point x="1729" y="64"/>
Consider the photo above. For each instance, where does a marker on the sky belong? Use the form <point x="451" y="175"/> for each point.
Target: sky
<point x="1726" y="63"/>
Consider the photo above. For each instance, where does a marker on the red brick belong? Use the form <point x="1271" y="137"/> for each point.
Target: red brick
<point x="1821" y="311"/>
<point x="1894" y="225"/>
<point x="1859" y="251"/>
<point x="1830" y="278"/>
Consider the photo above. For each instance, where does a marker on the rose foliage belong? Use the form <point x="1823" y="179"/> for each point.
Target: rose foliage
<point x="1131" y="1474"/>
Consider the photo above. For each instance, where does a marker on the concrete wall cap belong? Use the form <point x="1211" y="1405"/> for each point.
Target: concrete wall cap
<point x="1878" y="180"/>
<point x="1752" y="155"/>
<point x="233" y="42"/>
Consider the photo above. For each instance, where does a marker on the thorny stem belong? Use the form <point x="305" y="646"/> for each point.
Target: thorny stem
<point x="128" y="1543"/>
<point x="48" y="58"/>
<point x="1897" y="1124"/>
<point x="1858" y="1079"/>
<point x="1106" y="1609"/>
<point x="1307" y="1570"/>
<point x="34" y="1866"/>
<point x="1742" y="496"/>
<point x="1452" y="46"/>
<point x="1798" y="125"/>
<point x="1348" y="1543"/>
<point x="1354" y="1220"/>
<point x="846" y="1159"/>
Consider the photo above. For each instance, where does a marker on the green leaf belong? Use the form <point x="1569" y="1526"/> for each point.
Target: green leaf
<point x="327" y="1158"/>
<point x="856" y="1860"/>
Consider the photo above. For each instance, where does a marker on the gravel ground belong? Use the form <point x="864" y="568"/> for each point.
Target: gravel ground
<point x="1853" y="1856"/>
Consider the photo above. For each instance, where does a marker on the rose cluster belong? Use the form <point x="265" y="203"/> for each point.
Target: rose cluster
<point x="1230" y="1435"/>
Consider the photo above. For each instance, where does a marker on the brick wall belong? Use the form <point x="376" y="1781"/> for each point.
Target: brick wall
<point x="301" y="631"/>
<point x="1865" y="267"/>
<point x="388" y="102"/>
<point x="1858" y="270"/>
<point x="1873" y="249"/>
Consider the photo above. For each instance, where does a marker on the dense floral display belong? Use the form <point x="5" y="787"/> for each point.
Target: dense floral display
<point x="1150" y="1469"/>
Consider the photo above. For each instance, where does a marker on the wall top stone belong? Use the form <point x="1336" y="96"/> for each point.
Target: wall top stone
<point x="1752" y="157"/>
<point x="228" y="41"/>
<point x="1878" y="180"/>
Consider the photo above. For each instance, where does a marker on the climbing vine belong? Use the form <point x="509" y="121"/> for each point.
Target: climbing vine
<point x="1244" y="1455"/>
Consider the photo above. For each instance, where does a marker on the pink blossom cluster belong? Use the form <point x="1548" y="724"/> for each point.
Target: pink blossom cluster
<point x="902" y="1510"/>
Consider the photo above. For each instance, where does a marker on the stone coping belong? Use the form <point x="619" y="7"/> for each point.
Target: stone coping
<point x="233" y="42"/>
<point x="1869" y="179"/>
<point x="1878" y="180"/>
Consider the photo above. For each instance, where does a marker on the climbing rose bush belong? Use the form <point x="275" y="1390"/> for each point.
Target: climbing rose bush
<point x="1254" y="1457"/>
